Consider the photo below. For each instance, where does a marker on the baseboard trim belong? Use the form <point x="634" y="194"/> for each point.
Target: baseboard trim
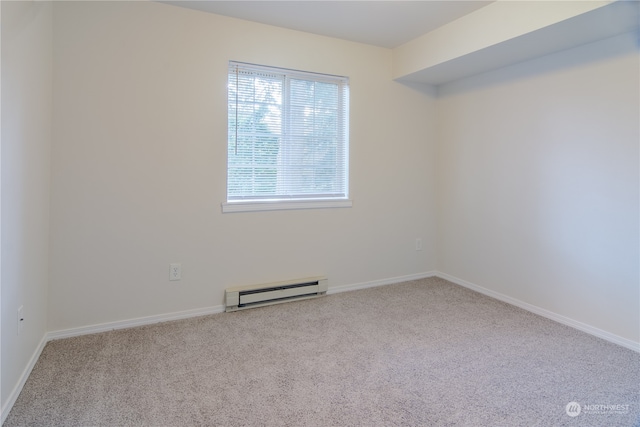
<point x="13" y="396"/>
<point x="382" y="282"/>
<point x="141" y="321"/>
<point x="132" y="323"/>
<point x="607" y="336"/>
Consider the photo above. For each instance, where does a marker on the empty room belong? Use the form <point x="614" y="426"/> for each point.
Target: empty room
<point x="310" y="213"/>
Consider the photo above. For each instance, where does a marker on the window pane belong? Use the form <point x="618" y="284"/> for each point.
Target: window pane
<point x="287" y="134"/>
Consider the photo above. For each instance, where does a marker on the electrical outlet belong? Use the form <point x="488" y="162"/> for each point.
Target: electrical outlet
<point x="20" y="319"/>
<point x="175" y="272"/>
<point x="418" y="244"/>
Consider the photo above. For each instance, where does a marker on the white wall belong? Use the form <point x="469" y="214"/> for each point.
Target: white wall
<point x="536" y="168"/>
<point x="26" y="142"/>
<point x="139" y="161"/>
<point x="538" y="183"/>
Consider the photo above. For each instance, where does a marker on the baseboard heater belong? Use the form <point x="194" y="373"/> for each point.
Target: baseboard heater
<point x="243" y="297"/>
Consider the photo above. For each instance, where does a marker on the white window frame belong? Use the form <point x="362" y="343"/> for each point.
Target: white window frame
<point x="299" y="202"/>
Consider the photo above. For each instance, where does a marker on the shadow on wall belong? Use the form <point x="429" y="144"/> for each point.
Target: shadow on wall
<point x="575" y="57"/>
<point x="425" y="88"/>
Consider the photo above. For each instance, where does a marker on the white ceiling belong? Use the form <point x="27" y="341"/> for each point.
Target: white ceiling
<point x="381" y="23"/>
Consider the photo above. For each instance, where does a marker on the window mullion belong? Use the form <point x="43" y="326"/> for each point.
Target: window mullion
<point x="284" y="168"/>
<point x="253" y="138"/>
<point x="314" y="138"/>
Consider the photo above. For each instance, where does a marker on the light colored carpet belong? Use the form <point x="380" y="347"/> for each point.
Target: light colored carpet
<point x="420" y="353"/>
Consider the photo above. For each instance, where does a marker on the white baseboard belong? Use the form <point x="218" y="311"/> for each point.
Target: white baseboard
<point x="131" y="323"/>
<point x="13" y="396"/>
<point x="382" y="282"/>
<point x="624" y="342"/>
<point x="141" y="321"/>
<point x="93" y="329"/>
<point x="110" y="326"/>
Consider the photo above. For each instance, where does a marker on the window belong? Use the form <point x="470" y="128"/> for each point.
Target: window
<point x="288" y="144"/>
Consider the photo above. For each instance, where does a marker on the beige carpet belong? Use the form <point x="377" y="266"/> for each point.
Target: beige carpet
<point x="421" y="353"/>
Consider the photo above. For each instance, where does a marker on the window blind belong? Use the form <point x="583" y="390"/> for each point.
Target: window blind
<point x="287" y="134"/>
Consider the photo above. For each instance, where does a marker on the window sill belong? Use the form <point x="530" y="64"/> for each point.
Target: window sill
<point x="256" y="206"/>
